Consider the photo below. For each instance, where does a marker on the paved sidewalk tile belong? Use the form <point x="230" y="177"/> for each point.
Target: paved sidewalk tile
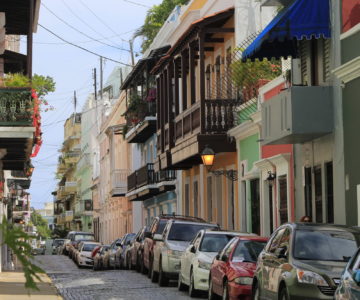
<point x="12" y="288"/>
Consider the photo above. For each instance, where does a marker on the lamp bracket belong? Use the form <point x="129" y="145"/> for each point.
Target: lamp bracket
<point x="230" y="174"/>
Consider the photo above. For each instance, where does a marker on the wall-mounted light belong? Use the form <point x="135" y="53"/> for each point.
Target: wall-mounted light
<point x="271" y="177"/>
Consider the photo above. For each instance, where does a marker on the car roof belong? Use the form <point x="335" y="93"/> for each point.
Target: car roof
<point x="192" y="222"/>
<point x="85" y="243"/>
<point x="317" y="226"/>
<point x="180" y="217"/>
<point x="229" y="232"/>
<point x="251" y="238"/>
<point x="83" y="232"/>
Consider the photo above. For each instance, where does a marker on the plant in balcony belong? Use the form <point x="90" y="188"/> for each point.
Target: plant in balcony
<point x="248" y="76"/>
<point x="136" y="109"/>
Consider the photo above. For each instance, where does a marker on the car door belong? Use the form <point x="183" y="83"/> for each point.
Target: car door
<point x="188" y="257"/>
<point x="112" y="253"/>
<point x="349" y="288"/>
<point x="219" y="266"/>
<point x="159" y="246"/>
<point x="148" y="244"/>
<point x="268" y="283"/>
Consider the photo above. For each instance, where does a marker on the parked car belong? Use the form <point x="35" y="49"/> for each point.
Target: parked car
<point x="232" y="270"/>
<point x="135" y="253"/>
<point x="99" y="256"/>
<point x="83" y="257"/>
<point x="109" y="258"/>
<point x="74" y="249"/>
<point x="304" y="261"/>
<point x="157" y="228"/>
<point x="56" y="244"/>
<point x="170" y="246"/>
<point x="198" y="257"/>
<point x="38" y="250"/>
<point x="121" y="252"/>
<point x="75" y="237"/>
<point x="349" y="287"/>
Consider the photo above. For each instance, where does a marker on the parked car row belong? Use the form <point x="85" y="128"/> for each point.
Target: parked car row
<point x="298" y="261"/>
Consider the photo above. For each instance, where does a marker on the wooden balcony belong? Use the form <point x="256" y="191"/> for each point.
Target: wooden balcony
<point x="119" y="182"/>
<point x="145" y="183"/>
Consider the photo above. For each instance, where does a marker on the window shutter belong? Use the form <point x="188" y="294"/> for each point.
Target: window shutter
<point x="326" y="60"/>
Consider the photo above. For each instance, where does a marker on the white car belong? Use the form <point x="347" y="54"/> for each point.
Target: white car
<point x="83" y="256"/>
<point x="197" y="259"/>
<point x="170" y="246"/>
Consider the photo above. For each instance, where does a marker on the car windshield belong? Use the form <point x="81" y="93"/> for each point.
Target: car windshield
<point x="86" y="237"/>
<point x="89" y="247"/>
<point x="185" y="232"/>
<point x="325" y="245"/>
<point x="214" y="242"/>
<point x="248" y="251"/>
<point x="161" y="227"/>
<point x="129" y="237"/>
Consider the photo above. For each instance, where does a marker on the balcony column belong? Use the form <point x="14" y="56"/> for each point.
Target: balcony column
<point x="192" y="73"/>
<point x="166" y="95"/>
<point x="202" y="81"/>
<point x="162" y="112"/>
<point x="176" y="86"/>
<point x="183" y="80"/>
<point x="170" y="103"/>
<point x="158" y="93"/>
<point x="30" y="40"/>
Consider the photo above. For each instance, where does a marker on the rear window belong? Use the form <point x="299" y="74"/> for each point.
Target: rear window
<point x="86" y="237"/>
<point x="248" y="251"/>
<point x="325" y="245"/>
<point x="185" y="232"/>
<point x="161" y="227"/>
<point x="89" y="247"/>
<point x="214" y="242"/>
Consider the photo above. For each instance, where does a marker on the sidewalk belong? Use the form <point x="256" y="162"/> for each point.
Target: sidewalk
<point x="12" y="288"/>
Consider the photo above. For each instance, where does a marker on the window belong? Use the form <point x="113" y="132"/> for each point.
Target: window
<point x="318" y="194"/>
<point x="218" y="77"/>
<point x="161" y="226"/>
<point x="275" y="242"/>
<point x="231" y="217"/>
<point x="308" y="192"/>
<point x="214" y="242"/>
<point x="196" y="200"/>
<point x="219" y="201"/>
<point x="209" y="198"/>
<point x="185" y="232"/>
<point x="329" y="193"/>
<point x="187" y="199"/>
<point x="208" y="82"/>
<point x="283" y="199"/>
<point x="228" y="73"/>
<point x="248" y="251"/>
<point x="89" y="247"/>
<point x="197" y="240"/>
<point x="255" y="206"/>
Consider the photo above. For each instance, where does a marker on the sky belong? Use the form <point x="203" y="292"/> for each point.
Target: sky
<point x="113" y="22"/>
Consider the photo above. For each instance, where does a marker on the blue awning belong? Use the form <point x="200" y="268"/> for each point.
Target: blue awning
<point x="301" y="19"/>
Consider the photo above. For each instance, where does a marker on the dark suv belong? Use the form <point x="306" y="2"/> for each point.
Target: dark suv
<point x="304" y="261"/>
<point x="157" y="228"/>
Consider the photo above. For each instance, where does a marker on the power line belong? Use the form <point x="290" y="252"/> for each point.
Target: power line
<point x="82" y="21"/>
<point x="82" y="48"/>
<point x="77" y="30"/>
<point x="137" y="3"/>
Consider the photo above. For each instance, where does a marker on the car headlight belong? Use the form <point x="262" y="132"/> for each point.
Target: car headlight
<point x="244" y="280"/>
<point x="204" y="265"/>
<point x="310" y="278"/>
<point x="174" y="252"/>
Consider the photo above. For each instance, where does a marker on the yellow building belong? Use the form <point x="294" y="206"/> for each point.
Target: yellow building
<point x="66" y="195"/>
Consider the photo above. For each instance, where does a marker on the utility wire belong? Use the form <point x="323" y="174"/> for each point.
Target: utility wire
<point x="77" y="30"/>
<point x="82" y="48"/>
<point x="137" y="3"/>
<point x="82" y="21"/>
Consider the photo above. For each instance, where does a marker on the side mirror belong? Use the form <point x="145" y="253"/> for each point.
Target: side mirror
<point x="192" y="249"/>
<point x="281" y="252"/>
<point x="224" y="258"/>
<point x="158" y="237"/>
<point x="356" y="277"/>
<point x="148" y="234"/>
<point x="217" y="257"/>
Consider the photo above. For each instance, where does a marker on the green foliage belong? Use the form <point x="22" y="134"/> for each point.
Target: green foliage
<point x="137" y="107"/>
<point x="59" y="233"/>
<point x="17" y="240"/>
<point x="155" y="18"/>
<point x="41" y="225"/>
<point x="247" y="74"/>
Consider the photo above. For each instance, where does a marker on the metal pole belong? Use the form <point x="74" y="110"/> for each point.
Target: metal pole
<point x="95" y="84"/>
<point x="101" y="77"/>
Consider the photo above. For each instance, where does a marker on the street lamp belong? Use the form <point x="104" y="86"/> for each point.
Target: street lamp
<point x="208" y="157"/>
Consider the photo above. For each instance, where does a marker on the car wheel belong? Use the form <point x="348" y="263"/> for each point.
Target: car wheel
<point x="143" y="269"/>
<point x="138" y="264"/>
<point x="154" y="274"/>
<point x="181" y="285"/>
<point x="128" y="262"/>
<point x="283" y="294"/>
<point x="192" y="291"/>
<point x="256" y="292"/>
<point x="225" y="295"/>
<point x="211" y="294"/>
<point x="150" y="269"/>
<point x="163" y="280"/>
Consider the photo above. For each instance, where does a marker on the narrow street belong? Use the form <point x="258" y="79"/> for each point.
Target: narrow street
<point x="85" y="284"/>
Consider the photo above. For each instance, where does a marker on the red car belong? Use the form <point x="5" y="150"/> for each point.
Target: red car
<point x="232" y="270"/>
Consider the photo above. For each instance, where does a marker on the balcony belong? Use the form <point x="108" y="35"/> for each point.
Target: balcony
<point x="71" y="157"/>
<point x="119" y="182"/>
<point x="145" y="183"/>
<point x="16" y="123"/>
<point x="84" y="208"/>
<point x="142" y="131"/>
<point x="70" y="187"/>
<point x="298" y="115"/>
<point x="61" y="193"/>
<point x="68" y="215"/>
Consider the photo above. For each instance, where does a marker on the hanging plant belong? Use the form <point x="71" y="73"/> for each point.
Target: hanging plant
<point x="136" y="110"/>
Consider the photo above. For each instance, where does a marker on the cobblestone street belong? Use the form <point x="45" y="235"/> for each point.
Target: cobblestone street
<point x="83" y="284"/>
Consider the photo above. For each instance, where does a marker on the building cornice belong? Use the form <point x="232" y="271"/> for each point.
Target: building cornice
<point x="350" y="32"/>
<point x="348" y="71"/>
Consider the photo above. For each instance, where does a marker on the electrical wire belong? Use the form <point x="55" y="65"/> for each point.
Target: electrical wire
<point x="82" y="48"/>
<point x="137" y="3"/>
<point x="82" y="33"/>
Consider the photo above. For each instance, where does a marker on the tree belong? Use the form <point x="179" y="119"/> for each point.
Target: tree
<point x="41" y="225"/>
<point x="155" y="18"/>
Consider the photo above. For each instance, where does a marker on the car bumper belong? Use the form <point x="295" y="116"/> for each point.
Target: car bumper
<point x="201" y="279"/>
<point x="172" y="268"/>
<point x="301" y="291"/>
<point x="85" y="262"/>
<point x="238" y="291"/>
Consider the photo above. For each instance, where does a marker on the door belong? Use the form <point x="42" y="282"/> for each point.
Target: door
<point x="329" y="193"/>
<point x="308" y="192"/>
<point x="318" y="194"/>
<point x="188" y="258"/>
<point x="255" y="206"/>
<point x="283" y="205"/>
